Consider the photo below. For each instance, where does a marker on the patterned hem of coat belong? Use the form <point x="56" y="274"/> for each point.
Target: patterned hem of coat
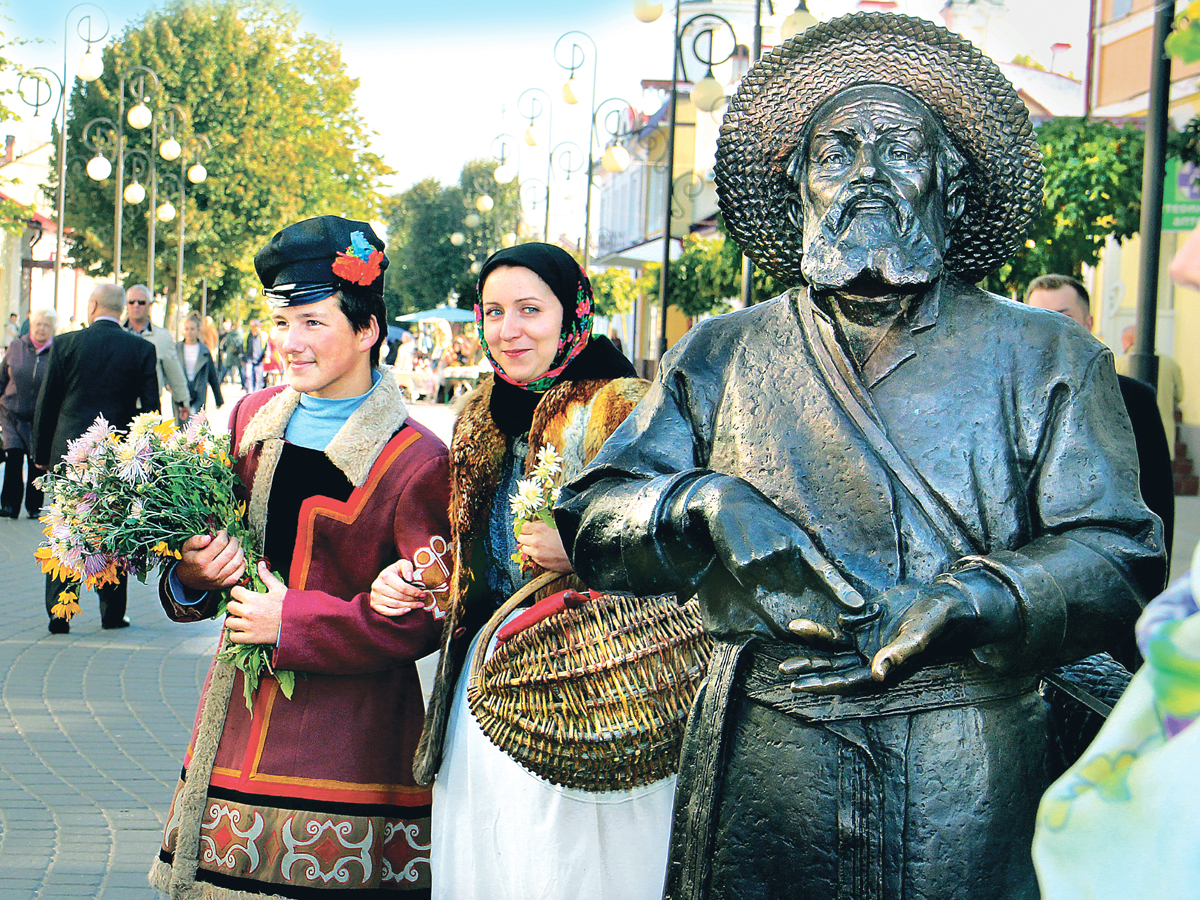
<point x="247" y="850"/>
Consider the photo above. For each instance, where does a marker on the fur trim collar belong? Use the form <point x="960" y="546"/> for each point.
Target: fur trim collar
<point x="357" y="444"/>
<point x="575" y="416"/>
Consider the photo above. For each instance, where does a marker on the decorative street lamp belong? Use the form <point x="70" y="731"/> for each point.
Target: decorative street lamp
<point x="615" y="157"/>
<point x="189" y="149"/>
<point x="708" y="96"/>
<point x="579" y="56"/>
<point x="537" y="106"/>
<point x="89" y="68"/>
<point x="142" y="84"/>
<point x="713" y="22"/>
<point x="798" y="21"/>
<point x="507" y="170"/>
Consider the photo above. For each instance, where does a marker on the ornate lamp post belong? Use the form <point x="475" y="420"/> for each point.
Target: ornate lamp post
<point x="708" y="100"/>
<point x="508" y="168"/>
<point x="577" y="58"/>
<point x="89" y="68"/>
<point x="615" y="158"/>
<point x="191" y="148"/>
<point x="530" y="100"/>
<point x="142" y="84"/>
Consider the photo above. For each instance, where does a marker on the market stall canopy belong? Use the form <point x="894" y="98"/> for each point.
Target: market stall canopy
<point x="446" y="314"/>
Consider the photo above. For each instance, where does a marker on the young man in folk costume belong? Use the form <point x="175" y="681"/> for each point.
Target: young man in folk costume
<point x="299" y="797"/>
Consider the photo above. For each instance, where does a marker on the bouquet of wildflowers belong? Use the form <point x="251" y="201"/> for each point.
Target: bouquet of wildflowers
<point x="128" y="503"/>
<point x="535" y="497"/>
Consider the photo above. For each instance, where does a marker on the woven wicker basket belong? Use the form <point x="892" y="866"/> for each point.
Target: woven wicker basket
<point x="594" y="697"/>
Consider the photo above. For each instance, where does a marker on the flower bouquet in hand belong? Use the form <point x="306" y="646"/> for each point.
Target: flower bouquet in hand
<point x="128" y="503"/>
<point x="534" y="498"/>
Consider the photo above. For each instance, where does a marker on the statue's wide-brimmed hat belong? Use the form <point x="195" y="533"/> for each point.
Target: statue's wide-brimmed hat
<point x="978" y="106"/>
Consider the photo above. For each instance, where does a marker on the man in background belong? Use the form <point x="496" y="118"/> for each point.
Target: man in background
<point x="1169" y="388"/>
<point x="138" y="303"/>
<point x="254" y="355"/>
<point x="100" y="370"/>
<point x="1066" y="295"/>
<point x="230" y="348"/>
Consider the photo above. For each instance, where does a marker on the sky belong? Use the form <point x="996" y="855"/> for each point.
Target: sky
<point x="441" y="79"/>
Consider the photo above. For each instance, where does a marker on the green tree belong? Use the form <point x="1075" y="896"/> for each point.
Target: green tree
<point x="1184" y="40"/>
<point x="615" y="291"/>
<point x="13" y="216"/>
<point x="428" y="268"/>
<point x="707" y="276"/>
<point x="1093" y="191"/>
<point x="287" y="143"/>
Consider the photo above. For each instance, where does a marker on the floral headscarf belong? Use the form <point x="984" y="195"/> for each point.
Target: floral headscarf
<point x="572" y="288"/>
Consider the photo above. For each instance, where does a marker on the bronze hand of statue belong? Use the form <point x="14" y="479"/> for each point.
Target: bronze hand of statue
<point x="908" y="625"/>
<point x="759" y="544"/>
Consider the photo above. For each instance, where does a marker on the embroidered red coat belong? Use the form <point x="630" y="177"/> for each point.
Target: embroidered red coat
<point x="316" y="793"/>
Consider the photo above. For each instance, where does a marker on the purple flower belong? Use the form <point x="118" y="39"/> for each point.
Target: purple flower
<point x="95" y="563"/>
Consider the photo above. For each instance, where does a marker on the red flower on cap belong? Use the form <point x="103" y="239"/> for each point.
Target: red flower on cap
<point x="360" y="263"/>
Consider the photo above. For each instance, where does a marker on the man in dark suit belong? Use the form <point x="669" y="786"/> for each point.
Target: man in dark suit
<point x="1067" y="295"/>
<point x="99" y="370"/>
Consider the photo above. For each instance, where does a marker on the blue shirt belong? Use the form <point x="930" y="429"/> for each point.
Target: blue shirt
<point x="317" y="419"/>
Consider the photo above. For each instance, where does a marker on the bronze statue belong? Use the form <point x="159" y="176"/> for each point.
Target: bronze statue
<point x="898" y="498"/>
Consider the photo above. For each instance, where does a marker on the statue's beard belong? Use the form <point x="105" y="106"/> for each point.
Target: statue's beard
<point x="871" y="240"/>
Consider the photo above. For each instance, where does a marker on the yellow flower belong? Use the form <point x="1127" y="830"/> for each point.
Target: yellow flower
<point x="165" y="429"/>
<point x="52" y="565"/>
<point x="65" y="607"/>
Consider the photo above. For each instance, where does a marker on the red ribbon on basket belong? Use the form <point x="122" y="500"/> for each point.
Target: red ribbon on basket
<point x="542" y="610"/>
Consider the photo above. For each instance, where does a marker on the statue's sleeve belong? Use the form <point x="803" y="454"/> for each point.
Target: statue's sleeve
<point x="615" y="517"/>
<point x="1097" y="556"/>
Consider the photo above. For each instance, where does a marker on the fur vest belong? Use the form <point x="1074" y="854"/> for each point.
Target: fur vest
<point x="576" y="418"/>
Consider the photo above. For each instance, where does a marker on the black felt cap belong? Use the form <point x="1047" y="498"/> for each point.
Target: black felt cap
<point x="308" y="261"/>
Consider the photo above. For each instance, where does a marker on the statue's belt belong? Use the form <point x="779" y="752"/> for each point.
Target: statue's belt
<point x="936" y="687"/>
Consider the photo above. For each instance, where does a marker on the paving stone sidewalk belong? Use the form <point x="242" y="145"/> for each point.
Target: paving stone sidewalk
<point x="98" y="722"/>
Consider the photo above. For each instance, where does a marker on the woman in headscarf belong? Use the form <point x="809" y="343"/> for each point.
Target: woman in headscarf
<point x="498" y="831"/>
<point x="21" y="374"/>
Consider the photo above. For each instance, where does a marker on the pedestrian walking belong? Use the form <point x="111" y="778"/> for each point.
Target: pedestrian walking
<point x="21" y="375"/>
<point x="101" y="370"/>
<point x="254" y="355"/>
<point x="138" y="306"/>
<point x="230" y="350"/>
<point x="198" y="367"/>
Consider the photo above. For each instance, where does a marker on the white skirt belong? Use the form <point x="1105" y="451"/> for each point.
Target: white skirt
<point x="499" y="832"/>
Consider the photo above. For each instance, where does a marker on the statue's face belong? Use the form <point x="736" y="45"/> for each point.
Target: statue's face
<point x="872" y="193"/>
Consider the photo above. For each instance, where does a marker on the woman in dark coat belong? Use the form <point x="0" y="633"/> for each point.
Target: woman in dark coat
<point x="198" y="367"/>
<point x="21" y="375"/>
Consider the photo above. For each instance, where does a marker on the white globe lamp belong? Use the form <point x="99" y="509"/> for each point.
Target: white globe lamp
<point x="139" y="116"/>
<point x="98" y="168"/>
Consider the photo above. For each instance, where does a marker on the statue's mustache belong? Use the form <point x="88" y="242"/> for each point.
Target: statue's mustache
<point x="863" y="199"/>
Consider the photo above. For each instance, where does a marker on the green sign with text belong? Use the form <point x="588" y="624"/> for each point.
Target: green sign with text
<point x="1181" y="196"/>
